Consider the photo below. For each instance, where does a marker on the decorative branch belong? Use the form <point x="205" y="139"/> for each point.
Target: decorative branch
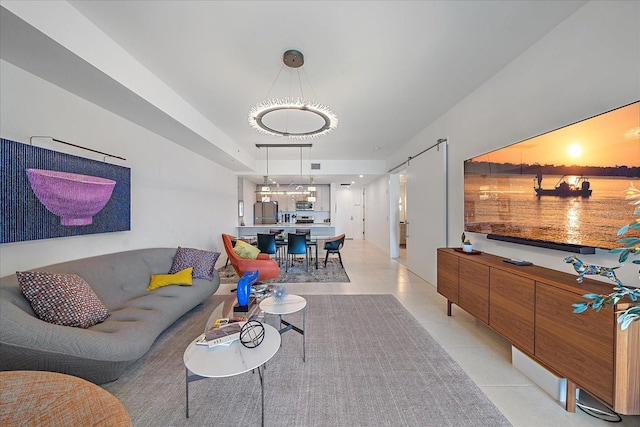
<point x="631" y="248"/>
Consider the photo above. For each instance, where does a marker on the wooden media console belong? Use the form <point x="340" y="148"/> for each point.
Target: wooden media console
<point x="531" y="307"/>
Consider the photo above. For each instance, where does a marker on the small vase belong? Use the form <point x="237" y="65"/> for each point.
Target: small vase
<point x="243" y="292"/>
<point x="244" y="286"/>
<point x="467" y="248"/>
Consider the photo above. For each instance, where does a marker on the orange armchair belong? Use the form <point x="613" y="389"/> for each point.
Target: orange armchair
<point x="267" y="268"/>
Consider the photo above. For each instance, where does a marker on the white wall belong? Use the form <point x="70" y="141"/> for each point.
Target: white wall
<point x="377" y="206"/>
<point x="587" y="65"/>
<point x="177" y="197"/>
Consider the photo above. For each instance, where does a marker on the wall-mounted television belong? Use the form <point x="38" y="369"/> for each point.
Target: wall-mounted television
<point x="564" y="189"/>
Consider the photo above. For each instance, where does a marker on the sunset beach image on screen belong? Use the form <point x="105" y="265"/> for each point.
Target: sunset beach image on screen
<point x="566" y="186"/>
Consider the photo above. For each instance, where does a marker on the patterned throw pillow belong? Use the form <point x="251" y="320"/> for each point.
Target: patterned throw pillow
<point x="203" y="262"/>
<point x="245" y="250"/>
<point x="62" y="299"/>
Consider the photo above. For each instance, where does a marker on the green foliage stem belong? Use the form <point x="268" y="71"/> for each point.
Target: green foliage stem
<point x="631" y="247"/>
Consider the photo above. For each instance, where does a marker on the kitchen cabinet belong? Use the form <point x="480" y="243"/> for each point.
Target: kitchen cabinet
<point x="531" y="307"/>
<point x="285" y="203"/>
<point x="323" y="198"/>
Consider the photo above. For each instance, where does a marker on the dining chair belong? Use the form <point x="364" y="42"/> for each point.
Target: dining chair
<point x="296" y="245"/>
<point x="267" y="245"/>
<point x="333" y="246"/>
<point x="307" y="233"/>
<point x="280" y="241"/>
<point x="276" y="231"/>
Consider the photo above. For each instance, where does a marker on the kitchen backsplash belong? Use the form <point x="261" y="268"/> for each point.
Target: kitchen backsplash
<point x="318" y="217"/>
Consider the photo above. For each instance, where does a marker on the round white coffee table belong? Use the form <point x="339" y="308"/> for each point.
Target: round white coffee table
<point x="226" y="361"/>
<point x="288" y="305"/>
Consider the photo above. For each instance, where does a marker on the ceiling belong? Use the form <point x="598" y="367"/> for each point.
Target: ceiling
<point x="387" y="68"/>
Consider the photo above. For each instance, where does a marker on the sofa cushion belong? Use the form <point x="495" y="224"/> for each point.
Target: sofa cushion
<point x="203" y="262"/>
<point x="180" y="278"/>
<point x="62" y="299"/>
<point x="245" y="250"/>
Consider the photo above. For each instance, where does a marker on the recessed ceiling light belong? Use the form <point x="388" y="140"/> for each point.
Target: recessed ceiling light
<point x="361" y="176"/>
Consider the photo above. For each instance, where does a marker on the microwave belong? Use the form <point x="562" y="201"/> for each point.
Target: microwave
<point x="304" y="206"/>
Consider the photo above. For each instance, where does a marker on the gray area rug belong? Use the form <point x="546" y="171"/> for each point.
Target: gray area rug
<point x="369" y="363"/>
<point x="298" y="273"/>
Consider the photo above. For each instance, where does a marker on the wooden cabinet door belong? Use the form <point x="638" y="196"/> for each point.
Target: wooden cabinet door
<point x="627" y="392"/>
<point x="578" y="346"/>
<point x="512" y="308"/>
<point x="473" y="288"/>
<point x="448" y="276"/>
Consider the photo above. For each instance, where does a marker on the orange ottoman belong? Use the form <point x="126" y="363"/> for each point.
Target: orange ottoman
<point x="29" y="398"/>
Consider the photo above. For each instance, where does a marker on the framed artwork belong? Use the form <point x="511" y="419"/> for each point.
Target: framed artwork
<point x="47" y="194"/>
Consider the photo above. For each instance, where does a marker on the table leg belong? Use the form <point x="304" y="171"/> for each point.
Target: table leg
<point x="289" y="326"/>
<point x="189" y="379"/>
<point x="316" y="245"/>
<point x="570" y="404"/>
<point x="186" y="381"/>
<point x="261" y="373"/>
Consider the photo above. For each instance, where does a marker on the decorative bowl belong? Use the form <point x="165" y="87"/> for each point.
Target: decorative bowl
<point x="73" y="197"/>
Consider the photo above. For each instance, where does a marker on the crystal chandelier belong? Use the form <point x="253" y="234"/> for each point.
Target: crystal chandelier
<point x="320" y="119"/>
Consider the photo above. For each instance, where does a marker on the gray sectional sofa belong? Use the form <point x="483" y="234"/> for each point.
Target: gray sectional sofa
<point x="102" y="352"/>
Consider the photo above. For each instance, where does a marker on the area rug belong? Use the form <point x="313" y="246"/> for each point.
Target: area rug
<point x="298" y="273"/>
<point x="369" y="363"/>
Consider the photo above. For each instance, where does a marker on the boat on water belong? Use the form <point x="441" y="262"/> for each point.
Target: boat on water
<point x="566" y="187"/>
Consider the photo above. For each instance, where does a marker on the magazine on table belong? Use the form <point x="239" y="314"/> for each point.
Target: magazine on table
<point x="223" y="335"/>
<point x="224" y="321"/>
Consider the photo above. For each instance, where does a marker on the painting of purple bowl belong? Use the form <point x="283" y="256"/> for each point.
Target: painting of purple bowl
<point x="73" y="197"/>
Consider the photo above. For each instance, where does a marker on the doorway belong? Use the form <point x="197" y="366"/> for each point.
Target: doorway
<point x="348" y="213"/>
<point x="402" y="217"/>
<point x="398" y="216"/>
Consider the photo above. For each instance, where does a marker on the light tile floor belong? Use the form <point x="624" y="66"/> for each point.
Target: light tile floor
<point x="483" y="354"/>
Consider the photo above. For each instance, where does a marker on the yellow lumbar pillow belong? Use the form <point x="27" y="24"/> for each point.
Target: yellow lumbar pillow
<point x="245" y="250"/>
<point x="182" y="277"/>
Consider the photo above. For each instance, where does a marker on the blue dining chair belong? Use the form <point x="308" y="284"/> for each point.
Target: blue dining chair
<point x="310" y="243"/>
<point x="267" y="245"/>
<point x="296" y="245"/>
<point x="333" y="246"/>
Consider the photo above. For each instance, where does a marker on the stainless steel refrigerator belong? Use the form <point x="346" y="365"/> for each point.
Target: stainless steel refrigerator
<point x="265" y="213"/>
